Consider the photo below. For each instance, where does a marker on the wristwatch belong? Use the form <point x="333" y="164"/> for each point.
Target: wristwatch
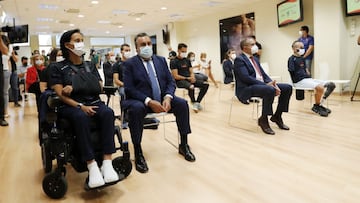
<point x="80" y="105"/>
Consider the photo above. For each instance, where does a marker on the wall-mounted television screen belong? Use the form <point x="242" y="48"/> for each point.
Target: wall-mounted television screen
<point x="289" y="11"/>
<point x="352" y="7"/>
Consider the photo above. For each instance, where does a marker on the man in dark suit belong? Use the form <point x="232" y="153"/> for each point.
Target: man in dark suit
<point x="252" y="81"/>
<point x="149" y="87"/>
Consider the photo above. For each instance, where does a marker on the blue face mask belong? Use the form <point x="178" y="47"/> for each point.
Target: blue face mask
<point x="146" y="52"/>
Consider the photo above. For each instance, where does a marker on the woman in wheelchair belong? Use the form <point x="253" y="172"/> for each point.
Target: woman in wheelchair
<point x="78" y="84"/>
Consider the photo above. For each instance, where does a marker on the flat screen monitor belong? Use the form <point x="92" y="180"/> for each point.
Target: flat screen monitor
<point x="352" y="7"/>
<point x="289" y="11"/>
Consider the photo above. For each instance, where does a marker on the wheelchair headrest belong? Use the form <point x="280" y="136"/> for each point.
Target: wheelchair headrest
<point x="53" y="101"/>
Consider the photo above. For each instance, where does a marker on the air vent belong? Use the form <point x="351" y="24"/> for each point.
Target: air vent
<point x="64" y="21"/>
<point x="72" y="10"/>
<point x="137" y="15"/>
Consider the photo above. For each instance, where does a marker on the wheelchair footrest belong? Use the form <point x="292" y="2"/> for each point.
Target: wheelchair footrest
<point x="87" y="188"/>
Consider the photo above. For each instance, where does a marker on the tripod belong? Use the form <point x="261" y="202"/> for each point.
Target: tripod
<point x="357" y="81"/>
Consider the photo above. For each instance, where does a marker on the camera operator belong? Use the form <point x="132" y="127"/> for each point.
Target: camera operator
<point x="3" y="52"/>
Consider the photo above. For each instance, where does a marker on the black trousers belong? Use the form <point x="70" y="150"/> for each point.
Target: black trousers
<point x="203" y="86"/>
<point x="81" y="123"/>
<point x="137" y="111"/>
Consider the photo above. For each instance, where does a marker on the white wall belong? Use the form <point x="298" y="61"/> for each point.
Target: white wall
<point x="202" y="35"/>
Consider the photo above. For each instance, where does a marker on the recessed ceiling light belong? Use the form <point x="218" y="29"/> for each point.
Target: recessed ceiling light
<point x="44" y="19"/>
<point x="94" y="2"/>
<point x="81" y="16"/>
<point x="107" y="32"/>
<point x="163" y="8"/>
<point x="137" y="19"/>
<point x="120" y="26"/>
<point x="103" y="21"/>
<point x="46" y="6"/>
<point x="71" y="25"/>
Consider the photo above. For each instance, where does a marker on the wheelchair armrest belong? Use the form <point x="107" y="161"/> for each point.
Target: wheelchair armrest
<point x="109" y="90"/>
<point x="53" y="101"/>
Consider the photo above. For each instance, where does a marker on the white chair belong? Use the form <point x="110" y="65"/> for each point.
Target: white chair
<point x="256" y="104"/>
<point x="163" y="121"/>
<point x="266" y="69"/>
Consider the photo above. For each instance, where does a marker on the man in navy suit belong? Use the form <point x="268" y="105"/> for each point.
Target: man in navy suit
<point x="149" y="87"/>
<point x="252" y="81"/>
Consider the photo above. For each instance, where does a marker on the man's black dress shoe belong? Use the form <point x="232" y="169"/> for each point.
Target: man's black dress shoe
<point x="140" y="164"/>
<point x="279" y="122"/>
<point x="264" y="124"/>
<point x="3" y="122"/>
<point x="185" y="151"/>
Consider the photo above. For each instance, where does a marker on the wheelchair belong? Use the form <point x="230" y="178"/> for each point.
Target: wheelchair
<point x="58" y="143"/>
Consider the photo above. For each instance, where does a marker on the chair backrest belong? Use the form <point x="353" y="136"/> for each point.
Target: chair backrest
<point x="265" y="66"/>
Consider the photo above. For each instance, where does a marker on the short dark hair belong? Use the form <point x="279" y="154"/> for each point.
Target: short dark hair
<point x="66" y="37"/>
<point x="143" y="34"/>
<point x="305" y="28"/>
<point x="124" y="45"/>
<point x="24" y="58"/>
<point x="181" y="45"/>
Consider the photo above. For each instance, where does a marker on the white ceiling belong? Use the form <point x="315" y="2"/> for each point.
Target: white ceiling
<point x="55" y="19"/>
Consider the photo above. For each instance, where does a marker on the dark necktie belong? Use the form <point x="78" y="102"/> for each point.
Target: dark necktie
<point x="154" y="83"/>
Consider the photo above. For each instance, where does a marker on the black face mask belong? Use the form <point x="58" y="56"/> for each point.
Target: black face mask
<point x="25" y="64"/>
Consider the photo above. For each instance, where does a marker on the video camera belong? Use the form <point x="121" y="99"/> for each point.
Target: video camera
<point x="17" y="34"/>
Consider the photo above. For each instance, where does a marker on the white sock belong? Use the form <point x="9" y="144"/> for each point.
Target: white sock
<point x="95" y="177"/>
<point x="109" y="172"/>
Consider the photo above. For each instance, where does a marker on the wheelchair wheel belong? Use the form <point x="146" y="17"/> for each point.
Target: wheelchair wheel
<point x="46" y="156"/>
<point x="122" y="165"/>
<point x="54" y="185"/>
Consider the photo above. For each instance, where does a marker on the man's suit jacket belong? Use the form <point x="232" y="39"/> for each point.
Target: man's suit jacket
<point x="245" y="76"/>
<point x="137" y="82"/>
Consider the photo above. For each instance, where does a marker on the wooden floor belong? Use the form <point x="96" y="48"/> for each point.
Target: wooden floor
<point x="318" y="160"/>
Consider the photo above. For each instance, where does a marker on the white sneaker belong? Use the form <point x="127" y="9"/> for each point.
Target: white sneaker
<point x="199" y="106"/>
<point x="195" y="107"/>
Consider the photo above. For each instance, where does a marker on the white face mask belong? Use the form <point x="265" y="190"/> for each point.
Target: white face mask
<point x="192" y="58"/>
<point x="183" y="54"/>
<point x="127" y="54"/>
<point x="146" y="52"/>
<point x="301" y="52"/>
<point x="38" y="62"/>
<point x="112" y="58"/>
<point x="300" y="33"/>
<point x="59" y="58"/>
<point x="254" y="49"/>
<point x="78" y="48"/>
<point x="233" y="56"/>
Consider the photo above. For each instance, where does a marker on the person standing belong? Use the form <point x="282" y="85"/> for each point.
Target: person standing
<point x="6" y="71"/>
<point x="22" y="75"/>
<point x="14" y="80"/>
<point x="149" y="87"/>
<point x="3" y="51"/>
<point x="308" y="42"/>
<point x="252" y="81"/>
<point x="107" y="68"/>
